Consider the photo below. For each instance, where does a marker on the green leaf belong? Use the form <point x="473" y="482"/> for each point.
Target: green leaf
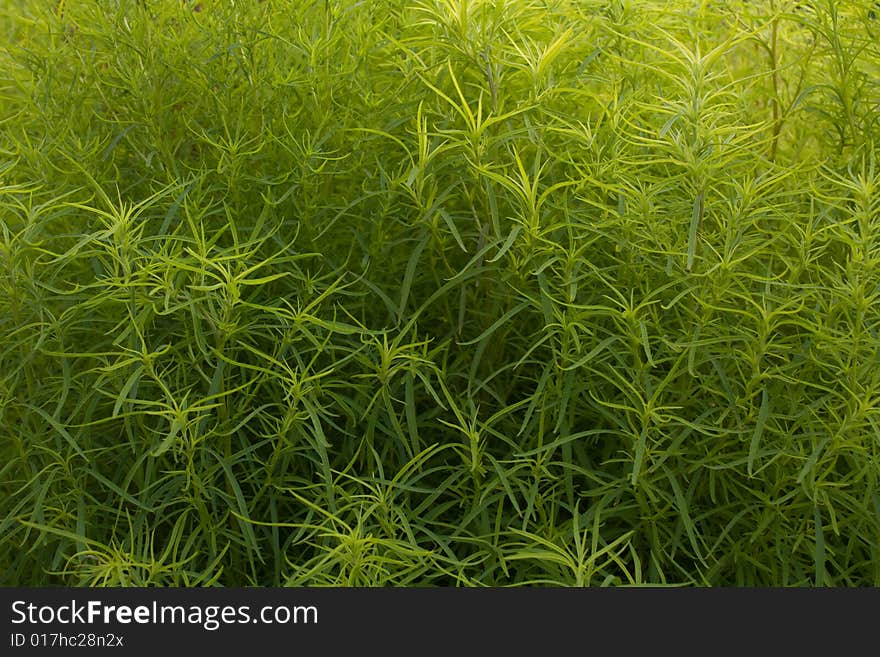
<point x="639" y="457"/>
<point x="763" y="414"/>
<point x="696" y="217"/>
<point x="126" y="389"/>
<point x="410" y="274"/>
<point x="176" y="425"/>
<point x="58" y="427"/>
<point x="819" y="554"/>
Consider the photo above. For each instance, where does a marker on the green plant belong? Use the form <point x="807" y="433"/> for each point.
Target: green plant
<point x="447" y="292"/>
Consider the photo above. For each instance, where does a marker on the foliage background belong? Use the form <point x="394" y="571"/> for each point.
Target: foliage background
<point x="440" y="292"/>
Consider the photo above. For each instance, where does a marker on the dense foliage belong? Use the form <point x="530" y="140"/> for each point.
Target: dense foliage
<point x="440" y="292"/>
